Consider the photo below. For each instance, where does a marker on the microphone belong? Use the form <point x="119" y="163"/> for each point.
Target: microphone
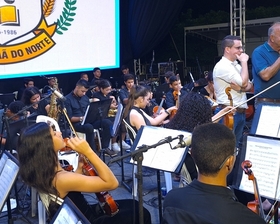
<point x="58" y="94"/>
<point x="184" y="142"/>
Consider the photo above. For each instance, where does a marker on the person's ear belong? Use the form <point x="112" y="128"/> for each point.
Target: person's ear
<point x="230" y="163"/>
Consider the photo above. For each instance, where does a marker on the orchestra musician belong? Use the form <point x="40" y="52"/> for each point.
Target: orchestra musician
<point x="175" y="87"/>
<point x="135" y="116"/>
<point x="104" y="93"/>
<point x="38" y="147"/>
<point x="208" y="199"/>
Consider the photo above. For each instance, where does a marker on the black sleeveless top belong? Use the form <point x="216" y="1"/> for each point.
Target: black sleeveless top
<point x="147" y="122"/>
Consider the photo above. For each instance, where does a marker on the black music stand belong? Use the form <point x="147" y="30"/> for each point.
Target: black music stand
<point x="69" y="213"/>
<point x="6" y="99"/>
<point x="14" y="128"/>
<point x="161" y="157"/>
<point x="9" y="168"/>
<point x="97" y="111"/>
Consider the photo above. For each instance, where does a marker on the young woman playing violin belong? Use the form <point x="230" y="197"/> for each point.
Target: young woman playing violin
<point x="38" y="146"/>
<point x="134" y="114"/>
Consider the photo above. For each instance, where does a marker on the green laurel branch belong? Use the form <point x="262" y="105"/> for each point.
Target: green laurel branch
<point x="65" y="18"/>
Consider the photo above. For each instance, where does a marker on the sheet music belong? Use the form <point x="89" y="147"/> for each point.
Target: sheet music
<point x="162" y="157"/>
<point x="117" y="120"/>
<point x="3" y="160"/>
<point x="7" y="178"/>
<point x="264" y="154"/>
<point x="269" y="121"/>
<point x="66" y="215"/>
<point x="85" y="116"/>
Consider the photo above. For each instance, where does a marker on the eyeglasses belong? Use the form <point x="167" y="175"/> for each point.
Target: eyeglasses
<point x="239" y="48"/>
<point x="235" y="153"/>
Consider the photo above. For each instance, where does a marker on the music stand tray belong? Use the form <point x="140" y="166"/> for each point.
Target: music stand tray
<point x="97" y="110"/>
<point x="15" y="128"/>
<point x="69" y="213"/>
<point x="9" y="171"/>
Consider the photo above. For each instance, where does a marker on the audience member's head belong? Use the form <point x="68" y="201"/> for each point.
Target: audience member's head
<point x="213" y="149"/>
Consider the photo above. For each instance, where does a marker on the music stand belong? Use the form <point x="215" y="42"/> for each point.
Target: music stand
<point x="14" y="128"/>
<point x="9" y="171"/>
<point x="69" y="213"/>
<point x="6" y="99"/>
<point x="97" y="110"/>
<point x="266" y="121"/>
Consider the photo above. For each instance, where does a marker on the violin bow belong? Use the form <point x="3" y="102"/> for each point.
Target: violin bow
<point x="275" y="84"/>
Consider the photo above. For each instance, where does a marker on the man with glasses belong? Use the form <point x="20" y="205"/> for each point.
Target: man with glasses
<point x="208" y="199"/>
<point x="229" y="72"/>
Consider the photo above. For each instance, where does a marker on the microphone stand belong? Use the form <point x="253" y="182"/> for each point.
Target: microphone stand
<point x="137" y="156"/>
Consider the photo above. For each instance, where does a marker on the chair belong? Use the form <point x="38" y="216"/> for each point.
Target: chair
<point x="167" y="175"/>
<point x="43" y="204"/>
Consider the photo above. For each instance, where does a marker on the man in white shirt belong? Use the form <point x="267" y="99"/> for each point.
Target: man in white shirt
<point x="228" y="71"/>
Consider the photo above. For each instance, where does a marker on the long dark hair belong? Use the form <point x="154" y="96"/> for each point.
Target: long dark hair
<point x="135" y="93"/>
<point x="194" y="110"/>
<point x="28" y="93"/>
<point x="37" y="158"/>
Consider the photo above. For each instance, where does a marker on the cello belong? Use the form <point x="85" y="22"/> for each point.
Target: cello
<point x="256" y="205"/>
<point x="228" y="119"/>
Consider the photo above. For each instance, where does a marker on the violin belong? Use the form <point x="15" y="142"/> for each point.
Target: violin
<point x="106" y="201"/>
<point x="176" y="96"/>
<point x="157" y="109"/>
<point x="256" y="205"/>
<point x="228" y="119"/>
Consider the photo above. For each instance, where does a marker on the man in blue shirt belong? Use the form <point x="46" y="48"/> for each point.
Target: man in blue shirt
<point x="266" y="66"/>
<point x="76" y="105"/>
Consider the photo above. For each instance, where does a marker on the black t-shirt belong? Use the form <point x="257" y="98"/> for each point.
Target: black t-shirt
<point x="201" y="203"/>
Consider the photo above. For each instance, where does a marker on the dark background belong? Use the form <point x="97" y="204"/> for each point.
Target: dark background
<point x="154" y="26"/>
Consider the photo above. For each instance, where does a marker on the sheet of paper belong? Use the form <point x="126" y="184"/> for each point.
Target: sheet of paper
<point x="264" y="154"/>
<point x="66" y="215"/>
<point x="269" y="121"/>
<point x="7" y="178"/>
<point x="162" y="157"/>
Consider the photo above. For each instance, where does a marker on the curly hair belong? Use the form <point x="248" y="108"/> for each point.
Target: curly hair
<point x="194" y="110"/>
<point x="37" y="158"/>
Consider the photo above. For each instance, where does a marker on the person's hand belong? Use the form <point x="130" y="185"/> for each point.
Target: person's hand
<point x="243" y="57"/>
<point x="79" y="145"/>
